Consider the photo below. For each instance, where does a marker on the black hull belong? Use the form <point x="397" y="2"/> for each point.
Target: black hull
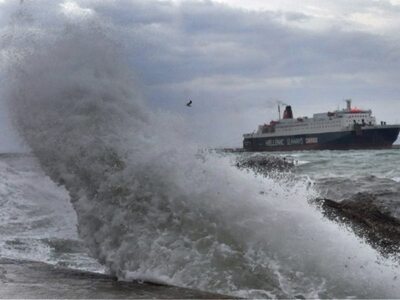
<point x="366" y="138"/>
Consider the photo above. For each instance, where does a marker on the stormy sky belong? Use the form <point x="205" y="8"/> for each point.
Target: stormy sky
<point x="236" y="58"/>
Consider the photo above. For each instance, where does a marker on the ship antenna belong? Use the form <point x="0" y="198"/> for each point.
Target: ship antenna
<point x="279" y="110"/>
<point x="279" y="107"/>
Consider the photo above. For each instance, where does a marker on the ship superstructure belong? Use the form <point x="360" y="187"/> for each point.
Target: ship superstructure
<point x="350" y="128"/>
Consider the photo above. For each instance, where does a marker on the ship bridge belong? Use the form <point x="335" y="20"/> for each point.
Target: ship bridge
<point x="353" y="115"/>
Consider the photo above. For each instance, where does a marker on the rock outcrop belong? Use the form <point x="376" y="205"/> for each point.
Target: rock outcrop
<point x="368" y="220"/>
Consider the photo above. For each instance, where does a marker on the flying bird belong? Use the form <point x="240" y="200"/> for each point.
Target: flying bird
<point x="189" y="104"/>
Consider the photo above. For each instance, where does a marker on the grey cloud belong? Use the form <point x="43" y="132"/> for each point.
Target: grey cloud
<point x="204" y="39"/>
<point x="234" y="62"/>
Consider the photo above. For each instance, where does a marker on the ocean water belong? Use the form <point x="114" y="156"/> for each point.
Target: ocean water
<point x="113" y="186"/>
<point x="270" y="242"/>
<point x="37" y="221"/>
<point x="341" y="174"/>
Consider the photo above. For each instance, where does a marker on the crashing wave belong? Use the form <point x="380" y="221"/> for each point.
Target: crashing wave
<point x="148" y="206"/>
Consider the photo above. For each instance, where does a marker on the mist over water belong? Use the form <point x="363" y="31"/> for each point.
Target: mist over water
<point x="150" y="205"/>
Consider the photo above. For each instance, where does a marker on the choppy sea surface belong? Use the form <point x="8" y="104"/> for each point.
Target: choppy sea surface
<point x="340" y="175"/>
<point x="289" y="250"/>
<point x="37" y="221"/>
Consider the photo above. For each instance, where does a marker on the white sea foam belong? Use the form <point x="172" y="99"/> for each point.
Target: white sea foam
<point x="301" y="162"/>
<point x="150" y="205"/>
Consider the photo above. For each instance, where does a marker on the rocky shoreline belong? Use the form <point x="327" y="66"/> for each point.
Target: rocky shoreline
<point x="368" y="220"/>
<point x="264" y="165"/>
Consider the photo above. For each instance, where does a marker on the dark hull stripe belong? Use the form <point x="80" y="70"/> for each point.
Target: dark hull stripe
<point x="377" y="138"/>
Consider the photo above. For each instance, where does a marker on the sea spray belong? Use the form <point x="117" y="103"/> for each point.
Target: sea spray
<point x="150" y="206"/>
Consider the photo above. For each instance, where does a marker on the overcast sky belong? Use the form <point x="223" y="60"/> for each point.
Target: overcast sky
<point x="236" y="58"/>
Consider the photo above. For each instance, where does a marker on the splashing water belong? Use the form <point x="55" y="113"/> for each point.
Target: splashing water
<point x="151" y="207"/>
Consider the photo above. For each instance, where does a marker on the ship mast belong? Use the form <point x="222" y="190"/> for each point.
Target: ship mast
<point x="279" y="110"/>
<point x="348" y="101"/>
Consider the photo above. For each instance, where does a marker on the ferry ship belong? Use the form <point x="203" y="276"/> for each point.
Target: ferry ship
<point x="350" y="128"/>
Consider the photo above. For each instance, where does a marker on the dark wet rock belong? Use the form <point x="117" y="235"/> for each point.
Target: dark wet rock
<point x="263" y="164"/>
<point x="385" y="191"/>
<point x="34" y="280"/>
<point x="231" y="150"/>
<point x="368" y="219"/>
